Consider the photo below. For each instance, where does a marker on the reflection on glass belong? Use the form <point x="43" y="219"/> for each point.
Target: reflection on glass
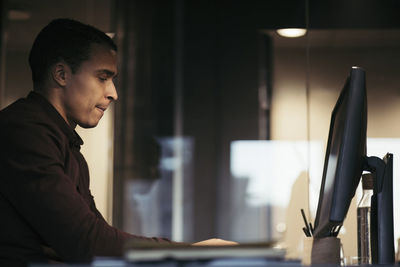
<point x="149" y="201"/>
<point x="264" y="173"/>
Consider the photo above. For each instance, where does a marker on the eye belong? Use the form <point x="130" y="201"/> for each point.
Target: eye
<point x="102" y="79"/>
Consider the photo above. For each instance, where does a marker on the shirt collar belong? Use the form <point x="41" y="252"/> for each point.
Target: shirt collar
<point x="74" y="139"/>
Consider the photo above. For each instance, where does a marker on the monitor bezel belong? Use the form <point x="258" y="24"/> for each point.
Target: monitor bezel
<point x="334" y="203"/>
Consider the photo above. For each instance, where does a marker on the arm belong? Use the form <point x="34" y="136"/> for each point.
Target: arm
<point x="35" y="183"/>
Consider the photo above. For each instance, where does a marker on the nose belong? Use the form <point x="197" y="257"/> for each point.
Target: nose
<point x="111" y="92"/>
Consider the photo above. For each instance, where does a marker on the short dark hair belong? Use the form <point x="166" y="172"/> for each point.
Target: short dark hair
<point x="64" y="39"/>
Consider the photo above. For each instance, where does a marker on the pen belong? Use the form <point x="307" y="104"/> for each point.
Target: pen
<point x="306" y="232"/>
<point x="306" y="223"/>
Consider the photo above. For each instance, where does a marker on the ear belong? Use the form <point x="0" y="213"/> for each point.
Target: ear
<point x="59" y="73"/>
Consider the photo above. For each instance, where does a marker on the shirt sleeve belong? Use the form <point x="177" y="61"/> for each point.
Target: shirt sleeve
<point x="46" y="198"/>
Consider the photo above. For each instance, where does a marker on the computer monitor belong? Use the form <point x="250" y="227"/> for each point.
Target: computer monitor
<point x="345" y="160"/>
<point x="345" y="154"/>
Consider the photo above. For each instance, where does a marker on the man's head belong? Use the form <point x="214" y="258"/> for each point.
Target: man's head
<point x="67" y="40"/>
<point x="73" y="65"/>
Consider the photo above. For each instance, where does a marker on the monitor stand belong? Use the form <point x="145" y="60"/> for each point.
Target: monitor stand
<point x="382" y="233"/>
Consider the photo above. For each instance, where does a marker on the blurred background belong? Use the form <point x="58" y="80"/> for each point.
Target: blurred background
<point x="221" y="125"/>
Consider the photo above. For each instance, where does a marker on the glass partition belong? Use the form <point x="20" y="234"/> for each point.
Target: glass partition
<point x="255" y="106"/>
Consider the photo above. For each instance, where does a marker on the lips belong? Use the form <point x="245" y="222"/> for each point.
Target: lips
<point x="101" y="108"/>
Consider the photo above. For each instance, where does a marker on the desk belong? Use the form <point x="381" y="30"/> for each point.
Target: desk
<point x="237" y="262"/>
<point x="234" y="262"/>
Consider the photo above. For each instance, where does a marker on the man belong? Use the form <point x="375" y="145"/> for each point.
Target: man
<point x="47" y="210"/>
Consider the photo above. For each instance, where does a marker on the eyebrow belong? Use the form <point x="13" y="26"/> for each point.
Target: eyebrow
<point x="109" y="73"/>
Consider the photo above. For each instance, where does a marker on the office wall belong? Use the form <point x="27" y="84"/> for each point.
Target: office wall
<point x="329" y="67"/>
<point x="98" y="152"/>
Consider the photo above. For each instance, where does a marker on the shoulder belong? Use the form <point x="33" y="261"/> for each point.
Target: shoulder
<point x="27" y="125"/>
<point x="22" y="110"/>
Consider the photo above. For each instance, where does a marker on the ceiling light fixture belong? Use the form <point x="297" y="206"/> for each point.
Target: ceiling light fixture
<point x="292" y="32"/>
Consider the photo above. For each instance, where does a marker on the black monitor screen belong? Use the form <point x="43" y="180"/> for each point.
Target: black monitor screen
<point x="345" y="154"/>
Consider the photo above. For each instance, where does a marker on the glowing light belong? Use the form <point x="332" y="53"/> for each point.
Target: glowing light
<point x="292" y="32"/>
<point x="18" y="15"/>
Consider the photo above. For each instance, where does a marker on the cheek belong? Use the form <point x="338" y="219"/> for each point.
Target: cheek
<point x="85" y="90"/>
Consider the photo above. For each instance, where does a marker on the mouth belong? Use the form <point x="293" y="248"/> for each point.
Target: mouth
<point x="101" y="109"/>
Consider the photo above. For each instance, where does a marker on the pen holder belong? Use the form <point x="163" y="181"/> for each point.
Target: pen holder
<point x="321" y="251"/>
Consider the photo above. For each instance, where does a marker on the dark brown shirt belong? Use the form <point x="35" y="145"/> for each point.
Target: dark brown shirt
<point x="45" y="201"/>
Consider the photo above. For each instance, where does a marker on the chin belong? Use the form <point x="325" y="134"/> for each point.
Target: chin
<point x="88" y="125"/>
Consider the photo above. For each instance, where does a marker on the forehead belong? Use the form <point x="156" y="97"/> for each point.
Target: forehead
<point x="101" y="58"/>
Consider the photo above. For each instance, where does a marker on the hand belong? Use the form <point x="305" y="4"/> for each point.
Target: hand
<point x="215" y="242"/>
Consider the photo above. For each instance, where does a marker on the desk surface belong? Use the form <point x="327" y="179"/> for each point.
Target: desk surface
<point x="236" y="262"/>
<point x="233" y="262"/>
